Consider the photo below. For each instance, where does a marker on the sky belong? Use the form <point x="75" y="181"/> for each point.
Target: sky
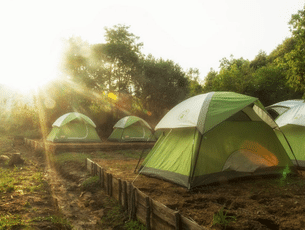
<point x="193" y="33"/>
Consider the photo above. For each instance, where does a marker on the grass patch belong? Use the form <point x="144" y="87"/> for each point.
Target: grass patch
<point x="7" y="180"/>
<point x="12" y="179"/>
<point x="9" y="221"/>
<point x="91" y="184"/>
<point x="76" y="157"/>
<point x="134" y="154"/>
<point x="114" y="215"/>
<point x="134" y="225"/>
<point x="221" y="218"/>
<point x="56" y="220"/>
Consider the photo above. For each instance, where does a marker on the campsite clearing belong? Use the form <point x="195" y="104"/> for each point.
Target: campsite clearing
<point x="257" y="203"/>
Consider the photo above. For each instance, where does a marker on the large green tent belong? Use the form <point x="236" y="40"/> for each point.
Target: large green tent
<point x="73" y="127"/>
<point x="214" y="137"/>
<point x="291" y="119"/>
<point x="132" y="128"/>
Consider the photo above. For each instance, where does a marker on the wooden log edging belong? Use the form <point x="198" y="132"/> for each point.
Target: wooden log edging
<point x="153" y="214"/>
<point x="84" y="147"/>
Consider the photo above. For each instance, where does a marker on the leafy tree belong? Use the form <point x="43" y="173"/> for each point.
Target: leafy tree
<point x="122" y="52"/>
<point x="211" y="81"/>
<point x="195" y="86"/>
<point x="78" y="65"/>
<point x="259" y="61"/>
<point x="161" y="85"/>
<point x="235" y="75"/>
<point x="296" y="57"/>
<point x="277" y="55"/>
<point x="271" y="85"/>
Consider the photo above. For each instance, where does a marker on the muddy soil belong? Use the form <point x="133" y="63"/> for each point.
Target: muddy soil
<point x="258" y="203"/>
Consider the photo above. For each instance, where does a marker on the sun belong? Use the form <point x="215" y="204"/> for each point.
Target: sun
<point x="31" y="69"/>
<point x="26" y="85"/>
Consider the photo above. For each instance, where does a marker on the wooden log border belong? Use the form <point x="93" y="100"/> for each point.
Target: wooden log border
<point x="62" y="147"/>
<point x="153" y="214"/>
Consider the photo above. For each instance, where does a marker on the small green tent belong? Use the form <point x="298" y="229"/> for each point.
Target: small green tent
<point x="73" y="127"/>
<point x="214" y="137"/>
<point x="131" y="128"/>
<point x="291" y="119"/>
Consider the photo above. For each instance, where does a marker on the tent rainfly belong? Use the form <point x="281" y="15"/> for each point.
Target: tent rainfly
<point x="215" y="137"/>
<point x="279" y="108"/>
<point x="73" y="127"/>
<point x="132" y="128"/>
<point x="292" y="123"/>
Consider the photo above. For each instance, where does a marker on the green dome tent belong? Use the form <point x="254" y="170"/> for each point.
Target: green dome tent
<point x="214" y="137"/>
<point x="73" y="127"/>
<point x="291" y="120"/>
<point x="131" y="128"/>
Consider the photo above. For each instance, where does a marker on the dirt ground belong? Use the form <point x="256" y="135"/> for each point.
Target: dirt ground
<point x="260" y="203"/>
<point x="29" y="203"/>
<point x="53" y="198"/>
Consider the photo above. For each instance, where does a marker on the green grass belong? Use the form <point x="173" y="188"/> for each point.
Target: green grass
<point x="134" y="225"/>
<point x="11" y="180"/>
<point x="135" y="154"/>
<point x="221" y="218"/>
<point x="7" y="180"/>
<point x="91" y="184"/>
<point x="76" y="157"/>
<point x="10" y="221"/>
<point x="57" y="220"/>
<point x="64" y="157"/>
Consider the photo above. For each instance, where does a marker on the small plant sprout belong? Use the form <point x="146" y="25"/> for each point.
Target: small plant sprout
<point x="221" y="218"/>
<point x="285" y="173"/>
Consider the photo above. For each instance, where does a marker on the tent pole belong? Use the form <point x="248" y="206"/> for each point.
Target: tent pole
<point x="196" y="157"/>
<point x="139" y="160"/>
<point x="289" y="147"/>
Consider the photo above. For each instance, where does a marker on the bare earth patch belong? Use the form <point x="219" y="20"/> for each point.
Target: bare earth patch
<point x="258" y="203"/>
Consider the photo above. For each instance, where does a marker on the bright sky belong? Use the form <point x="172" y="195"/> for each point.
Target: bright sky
<point x="193" y="33"/>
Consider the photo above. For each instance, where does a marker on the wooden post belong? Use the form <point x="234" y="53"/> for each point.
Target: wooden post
<point x="133" y="204"/>
<point x="110" y="184"/>
<point x="99" y="169"/>
<point x="178" y="220"/>
<point x="108" y="190"/>
<point x="92" y="167"/>
<point x="86" y="163"/>
<point x="120" y="191"/>
<point x="130" y="200"/>
<point x="147" y="213"/>
<point x="102" y="178"/>
<point x="125" y="196"/>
